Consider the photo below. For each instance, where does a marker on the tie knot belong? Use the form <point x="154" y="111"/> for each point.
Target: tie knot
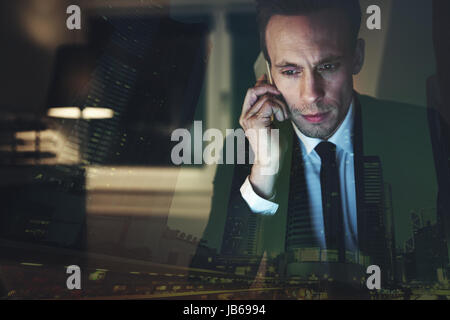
<point x="326" y="151"/>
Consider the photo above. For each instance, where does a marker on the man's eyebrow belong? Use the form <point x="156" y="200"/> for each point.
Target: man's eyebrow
<point x="284" y="63"/>
<point x="329" y="59"/>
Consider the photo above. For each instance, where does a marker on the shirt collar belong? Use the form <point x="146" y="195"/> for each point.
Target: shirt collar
<point x="342" y="138"/>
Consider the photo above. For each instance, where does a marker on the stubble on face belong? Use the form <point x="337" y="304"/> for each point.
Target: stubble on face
<point x="304" y="41"/>
<point x="320" y="130"/>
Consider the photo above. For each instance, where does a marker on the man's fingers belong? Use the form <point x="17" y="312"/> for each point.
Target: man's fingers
<point x="254" y="93"/>
<point x="283" y="106"/>
<point x="267" y="109"/>
<point x="266" y="88"/>
<point x="257" y="106"/>
<point x="279" y="113"/>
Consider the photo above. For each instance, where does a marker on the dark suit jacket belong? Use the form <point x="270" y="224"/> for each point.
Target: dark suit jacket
<point x="391" y="136"/>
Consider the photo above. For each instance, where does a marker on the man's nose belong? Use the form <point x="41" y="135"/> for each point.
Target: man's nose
<point x="311" y="90"/>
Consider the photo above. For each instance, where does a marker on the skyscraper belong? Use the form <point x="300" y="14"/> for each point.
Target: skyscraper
<point x="254" y="237"/>
<point x="390" y="232"/>
<point x="428" y="252"/>
<point x="298" y="224"/>
<point x="374" y="211"/>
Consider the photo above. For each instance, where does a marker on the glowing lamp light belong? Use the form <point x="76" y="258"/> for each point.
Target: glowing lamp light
<point x="70" y="88"/>
<point x="87" y="113"/>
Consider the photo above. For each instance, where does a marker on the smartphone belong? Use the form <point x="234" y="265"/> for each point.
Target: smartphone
<point x="261" y="67"/>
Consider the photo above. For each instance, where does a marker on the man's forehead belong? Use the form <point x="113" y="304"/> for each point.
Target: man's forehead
<point x="323" y="33"/>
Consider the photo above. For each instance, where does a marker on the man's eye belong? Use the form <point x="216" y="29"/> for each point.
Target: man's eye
<point x="290" y="73"/>
<point x="328" y="67"/>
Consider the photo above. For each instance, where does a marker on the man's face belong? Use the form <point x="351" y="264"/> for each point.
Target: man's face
<point x="313" y="62"/>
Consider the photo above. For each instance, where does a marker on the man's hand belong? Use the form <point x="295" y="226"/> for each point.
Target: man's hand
<point x="262" y="104"/>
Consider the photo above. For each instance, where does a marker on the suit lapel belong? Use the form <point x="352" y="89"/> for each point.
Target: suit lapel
<point x="359" y="174"/>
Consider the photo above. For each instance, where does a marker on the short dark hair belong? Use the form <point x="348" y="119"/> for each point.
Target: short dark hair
<point x="267" y="8"/>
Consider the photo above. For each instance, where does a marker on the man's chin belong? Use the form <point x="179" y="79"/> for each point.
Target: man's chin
<point x="317" y="131"/>
<point x="319" y="134"/>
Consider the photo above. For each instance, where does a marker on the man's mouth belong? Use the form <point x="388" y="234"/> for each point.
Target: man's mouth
<point x="316" y="118"/>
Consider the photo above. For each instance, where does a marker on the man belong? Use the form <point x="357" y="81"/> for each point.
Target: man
<point x="312" y="58"/>
<point x="341" y="156"/>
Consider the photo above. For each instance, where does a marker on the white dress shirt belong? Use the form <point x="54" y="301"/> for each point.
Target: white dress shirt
<point x="343" y="139"/>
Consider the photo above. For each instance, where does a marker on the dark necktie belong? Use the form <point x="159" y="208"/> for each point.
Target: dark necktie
<point x="331" y="199"/>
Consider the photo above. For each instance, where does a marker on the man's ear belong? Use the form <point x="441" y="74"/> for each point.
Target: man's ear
<point x="360" y="52"/>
